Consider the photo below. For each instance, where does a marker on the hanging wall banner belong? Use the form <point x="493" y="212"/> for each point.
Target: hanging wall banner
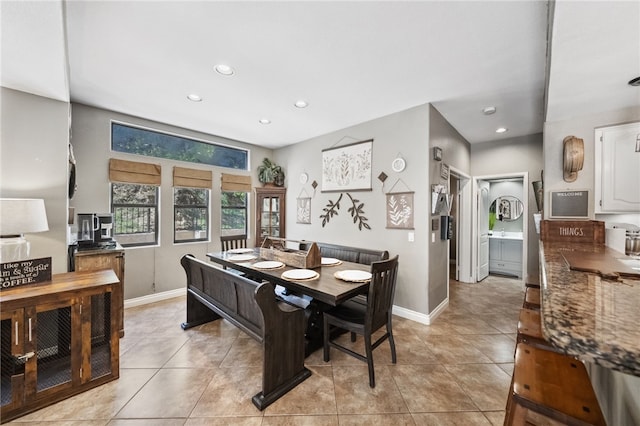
<point x="347" y="168"/>
<point x="400" y="210"/>
<point x="303" y="210"/>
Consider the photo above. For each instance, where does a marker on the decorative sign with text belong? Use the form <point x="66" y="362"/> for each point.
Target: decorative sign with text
<point x="23" y="272"/>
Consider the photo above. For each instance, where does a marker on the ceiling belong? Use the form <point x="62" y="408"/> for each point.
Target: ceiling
<point x="351" y="61"/>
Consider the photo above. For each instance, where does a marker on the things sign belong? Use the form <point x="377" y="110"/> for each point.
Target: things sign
<point x="31" y="271"/>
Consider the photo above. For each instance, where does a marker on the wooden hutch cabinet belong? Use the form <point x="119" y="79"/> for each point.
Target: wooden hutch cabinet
<point x="270" y="213"/>
<point x="95" y="259"/>
<point x="52" y="344"/>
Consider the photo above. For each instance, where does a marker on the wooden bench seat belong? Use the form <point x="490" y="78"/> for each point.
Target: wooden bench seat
<point x="214" y="293"/>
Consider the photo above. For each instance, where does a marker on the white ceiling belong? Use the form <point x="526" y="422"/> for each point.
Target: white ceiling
<point x="352" y="61"/>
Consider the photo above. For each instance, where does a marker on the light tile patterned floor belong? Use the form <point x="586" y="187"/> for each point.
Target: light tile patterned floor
<point x="453" y="372"/>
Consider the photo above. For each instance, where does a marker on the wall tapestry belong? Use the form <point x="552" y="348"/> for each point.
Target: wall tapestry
<point x="400" y="210"/>
<point x="356" y="211"/>
<point x="347" y="168"/>
<point x="303" y="208"/>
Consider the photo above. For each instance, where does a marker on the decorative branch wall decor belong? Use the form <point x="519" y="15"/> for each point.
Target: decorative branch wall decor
<point x="400" y="210"/>
<point x="356" y="211"/>
<point x="330" y="211"/>
<point x="347" y="168"/>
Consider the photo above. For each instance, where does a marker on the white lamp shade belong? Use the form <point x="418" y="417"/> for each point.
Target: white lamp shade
<point x="22" y="216"/>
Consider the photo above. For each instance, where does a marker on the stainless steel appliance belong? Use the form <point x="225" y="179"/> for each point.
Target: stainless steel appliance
<point x="95" y="229"/>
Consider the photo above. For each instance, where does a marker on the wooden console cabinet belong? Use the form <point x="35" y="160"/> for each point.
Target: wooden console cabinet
<point x="99" y="258"/>
<point x="51" y="344"/>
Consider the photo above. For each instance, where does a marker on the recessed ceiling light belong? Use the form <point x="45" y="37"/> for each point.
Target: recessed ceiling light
<point x="193" y="97"/>
<point x="501" y="129"/>
<point x="265" y="121"/>
<point x="301" y="104"/>
<point x="634" y="81"/>
<point x="224" y="69"/>
<point x="489" y="110"/>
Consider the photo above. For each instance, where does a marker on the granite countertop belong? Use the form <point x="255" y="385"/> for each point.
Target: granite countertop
<point x="588" y="316"/>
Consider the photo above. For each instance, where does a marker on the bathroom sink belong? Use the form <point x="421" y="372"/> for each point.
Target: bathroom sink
<point x="506" y="235"/>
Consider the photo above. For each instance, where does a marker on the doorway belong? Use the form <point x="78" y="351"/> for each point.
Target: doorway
<point x="500" y="223"/>
<point x="460" y="247"/>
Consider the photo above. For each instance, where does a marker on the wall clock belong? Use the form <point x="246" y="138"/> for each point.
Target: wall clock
<point x="398" y="164"/>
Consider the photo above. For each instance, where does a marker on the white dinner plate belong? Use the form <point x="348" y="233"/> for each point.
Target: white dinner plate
<point x="328" y="261"/>
<point x="240" y="250"/>
<point x="268" y="264"/>
<point x="300" y="274"/>
<point x="353" y="276"/>
<point x="241" y="257"/>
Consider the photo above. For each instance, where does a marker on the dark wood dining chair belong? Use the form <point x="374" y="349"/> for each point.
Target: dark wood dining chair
<point x="366" y="319"/>
<point x="229" y="242"/>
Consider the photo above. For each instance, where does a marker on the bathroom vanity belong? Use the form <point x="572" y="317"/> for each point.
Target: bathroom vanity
<point x="505" y="253"/>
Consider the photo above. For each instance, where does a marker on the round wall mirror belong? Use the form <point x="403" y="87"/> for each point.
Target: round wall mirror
<point x="507" y="208"/>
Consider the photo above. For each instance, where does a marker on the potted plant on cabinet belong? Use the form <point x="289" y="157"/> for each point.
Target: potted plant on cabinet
<point x="269" y="173"/>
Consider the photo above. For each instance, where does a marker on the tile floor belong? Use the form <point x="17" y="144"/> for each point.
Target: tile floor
<point x="453" y="372"/>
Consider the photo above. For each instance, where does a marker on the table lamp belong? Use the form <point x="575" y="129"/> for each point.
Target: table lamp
<point x="19" y="216"/>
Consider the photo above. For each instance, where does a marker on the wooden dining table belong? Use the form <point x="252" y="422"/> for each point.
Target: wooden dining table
<point x="320" y="294"/>
<point x="326" y="288"/>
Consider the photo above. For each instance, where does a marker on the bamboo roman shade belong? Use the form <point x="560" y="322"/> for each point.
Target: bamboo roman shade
<point x="192" y="178"/>
<point x="134" y="172"/>
<point x="235" y="183"/>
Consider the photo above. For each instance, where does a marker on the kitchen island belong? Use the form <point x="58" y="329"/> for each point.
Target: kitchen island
<point x="590" y="308"/>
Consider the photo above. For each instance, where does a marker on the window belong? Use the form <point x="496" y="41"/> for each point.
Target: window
<point x="135" y="211"/>
<point x="234" y="213"/>
<point x="134" y="140"/>
<point x="190" y="214"/>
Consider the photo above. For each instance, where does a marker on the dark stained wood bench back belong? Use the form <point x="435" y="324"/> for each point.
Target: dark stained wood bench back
<point x="350" y="254"/>
<point x="214" y="293"/>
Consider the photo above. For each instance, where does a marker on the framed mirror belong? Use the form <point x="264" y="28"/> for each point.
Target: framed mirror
<point x="507" y="208"/>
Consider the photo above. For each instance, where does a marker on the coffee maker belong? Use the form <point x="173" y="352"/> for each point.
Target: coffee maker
<point x="95" y="229"/>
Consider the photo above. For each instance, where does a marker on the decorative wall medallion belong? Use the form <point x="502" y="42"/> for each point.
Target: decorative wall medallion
<point x="398" y="164"/>
<point x="304" y="178"/>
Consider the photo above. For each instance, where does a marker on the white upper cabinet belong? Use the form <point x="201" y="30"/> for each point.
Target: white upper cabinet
<point x="617" y="167"/>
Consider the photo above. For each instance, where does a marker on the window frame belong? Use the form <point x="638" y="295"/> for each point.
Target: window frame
<point x="245" y="208"/>
<point x="207" y="208"/>
<point x="194" y="140"/>
<point x="156" y="216"/>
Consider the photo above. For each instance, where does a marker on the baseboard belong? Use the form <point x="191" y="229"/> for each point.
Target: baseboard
<point x="419" y="317"/>
<point x="156" y="297"/>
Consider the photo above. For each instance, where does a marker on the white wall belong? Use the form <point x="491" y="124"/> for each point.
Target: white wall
<point x="583" y="127"/>
<point x="404" y="133"/>
<point x="33" y="164"/>
<point x="147" y="269"/>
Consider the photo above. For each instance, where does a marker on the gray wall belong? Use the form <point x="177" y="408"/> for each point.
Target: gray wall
<point x="455" y="153"/>
<point x="404" y="133"/>
<point x="515" y="155"/>
<point x="147" y="269"/>
<point x="33" y="164"/>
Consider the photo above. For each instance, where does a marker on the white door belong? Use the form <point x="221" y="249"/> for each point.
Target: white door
<point x="483" y="230"/>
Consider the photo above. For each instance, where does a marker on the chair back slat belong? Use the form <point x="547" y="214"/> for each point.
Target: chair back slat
<point x="381" y="292"/>
<point x="229" y="242"/>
